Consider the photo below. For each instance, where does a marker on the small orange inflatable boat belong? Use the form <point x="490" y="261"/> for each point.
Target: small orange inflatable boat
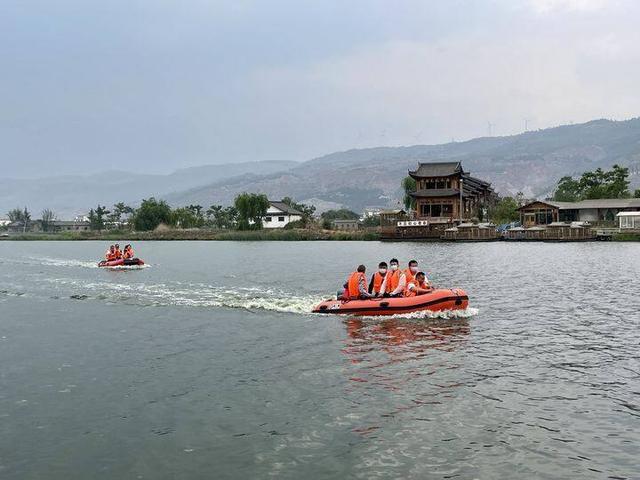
<point x="435" y="301"/>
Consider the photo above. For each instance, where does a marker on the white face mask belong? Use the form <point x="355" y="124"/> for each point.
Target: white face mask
<point x="382" y="271"/>
<point x="394" y="267"/>
<point x="413" y="269"/>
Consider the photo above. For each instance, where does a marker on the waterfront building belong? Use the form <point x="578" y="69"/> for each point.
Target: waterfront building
<point x="629" y="220"/>
<point x="445" y="193"/>
<point x="597" y="211"/>
<point x="279" y="215"/>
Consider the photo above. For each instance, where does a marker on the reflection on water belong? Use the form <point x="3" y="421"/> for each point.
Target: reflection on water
<point x="414" y="335"/>
<point x="394" y="358"/>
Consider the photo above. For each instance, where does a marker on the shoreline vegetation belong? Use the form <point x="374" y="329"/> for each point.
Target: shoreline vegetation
<point x="293" y="235"/>
<point x="203" y="234"/>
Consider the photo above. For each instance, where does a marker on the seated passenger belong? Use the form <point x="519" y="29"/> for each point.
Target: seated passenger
<point x="118" y="253"/>
<point x="411" y="271"/>
<point x="396" y="280"/>
<point x="357" y="285"/>
<point x="419" y="286"/>
<point x="377" y="280"/>
<point x="110" y="254"/>
<point x="128" y="252"/>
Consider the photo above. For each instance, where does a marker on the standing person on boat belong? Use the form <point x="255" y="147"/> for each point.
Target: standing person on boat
<point x="357" y="285"/>
<point x="377" y="280"/>
<point x="418" y="286"/>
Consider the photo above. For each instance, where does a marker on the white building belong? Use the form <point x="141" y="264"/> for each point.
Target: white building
<point x="279" y="215"/>
<point x="4" y="222"/>
<point x="629" y="220"/>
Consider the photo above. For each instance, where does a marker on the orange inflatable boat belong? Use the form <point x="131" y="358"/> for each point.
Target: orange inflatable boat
<point x="437" y="300"/>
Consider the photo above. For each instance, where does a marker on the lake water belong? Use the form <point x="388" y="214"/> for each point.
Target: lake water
<point x="207" y="364"/>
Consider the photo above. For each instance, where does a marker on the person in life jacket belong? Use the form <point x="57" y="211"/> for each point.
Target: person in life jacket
<point x="357" y="284"/>
<point x="118" y="253"/>
<point x="395" y="281"/>
<point x="411" y="271"/>
<point x="418" y="286"/>
<point x="377" y="280"/>
<point x="110" y="254"/>
<point x="128" y="252"/>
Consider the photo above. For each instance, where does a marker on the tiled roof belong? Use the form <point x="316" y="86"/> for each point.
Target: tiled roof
<point x="285" y="208"/>
<point x="594" y="203"/>
<point x="437" y="169"/>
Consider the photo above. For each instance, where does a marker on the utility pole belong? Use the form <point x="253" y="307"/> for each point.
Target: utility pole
<point x="461" y="201"/>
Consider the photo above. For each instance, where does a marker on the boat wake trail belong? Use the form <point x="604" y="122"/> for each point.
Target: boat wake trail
<point x="428" y="315"/>
<point x="51" y="262"/>
<point x="188" y="295"/>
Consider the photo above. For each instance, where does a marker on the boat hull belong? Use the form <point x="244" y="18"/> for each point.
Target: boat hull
<point x="121" y="262"/>
<point x="435" y="301"/>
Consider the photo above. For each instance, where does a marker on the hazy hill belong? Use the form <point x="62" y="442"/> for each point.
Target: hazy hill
<point x="72" y="195"/>
<point x="531" y="162"/>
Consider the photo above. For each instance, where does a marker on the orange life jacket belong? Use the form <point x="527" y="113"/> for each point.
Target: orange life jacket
<point x="393" y="279"/>
<point x="413" y="293"/>
<point x="108" y="256"/>
<point x="409" y="274"/>
<point x="353" y="285"/>
<point x="117" y="254"/>
<point x="128" y="253"/>
<point x="377" y="282"/>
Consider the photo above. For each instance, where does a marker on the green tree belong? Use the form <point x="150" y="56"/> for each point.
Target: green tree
<point x="596" y="184"/>
<point x="636" y="194"/>
<point x="341" y="214"/>
<point x="15" y="215"/>
<point x="409" y="186"/>
<point x="97" y="217"/>
<point x="187" y="217"/>
<point x="152" y="213"/>
<point x="504" y="211"/>
<point x="22" y="216"/>
<point x="306" y="210"/>
<point x="568" y="190"/>
<point x="222" y="217"/>
<point x="251" y="208"/>
<point x="372" y="221"/>
<point x="119" y="210"/>
<point x="47" y="219"/>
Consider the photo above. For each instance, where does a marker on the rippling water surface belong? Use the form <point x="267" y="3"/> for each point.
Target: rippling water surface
<point x="207" y="364"/>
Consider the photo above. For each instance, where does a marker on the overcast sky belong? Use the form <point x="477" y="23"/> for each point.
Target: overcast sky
<point x="154" y="85"/>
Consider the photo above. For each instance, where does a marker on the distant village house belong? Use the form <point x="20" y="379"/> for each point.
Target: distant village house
<point x="279" y="215"/>
<point x="346" y="224"/>
<point x="56" y="226"/>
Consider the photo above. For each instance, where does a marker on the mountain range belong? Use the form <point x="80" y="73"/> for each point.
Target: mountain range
<point x="530" y="162"/>
<point x="74" y="195"/>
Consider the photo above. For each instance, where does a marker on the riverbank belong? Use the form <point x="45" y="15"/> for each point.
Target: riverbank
<point x="201" y="234"/>
<point x="295" y="235"/>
